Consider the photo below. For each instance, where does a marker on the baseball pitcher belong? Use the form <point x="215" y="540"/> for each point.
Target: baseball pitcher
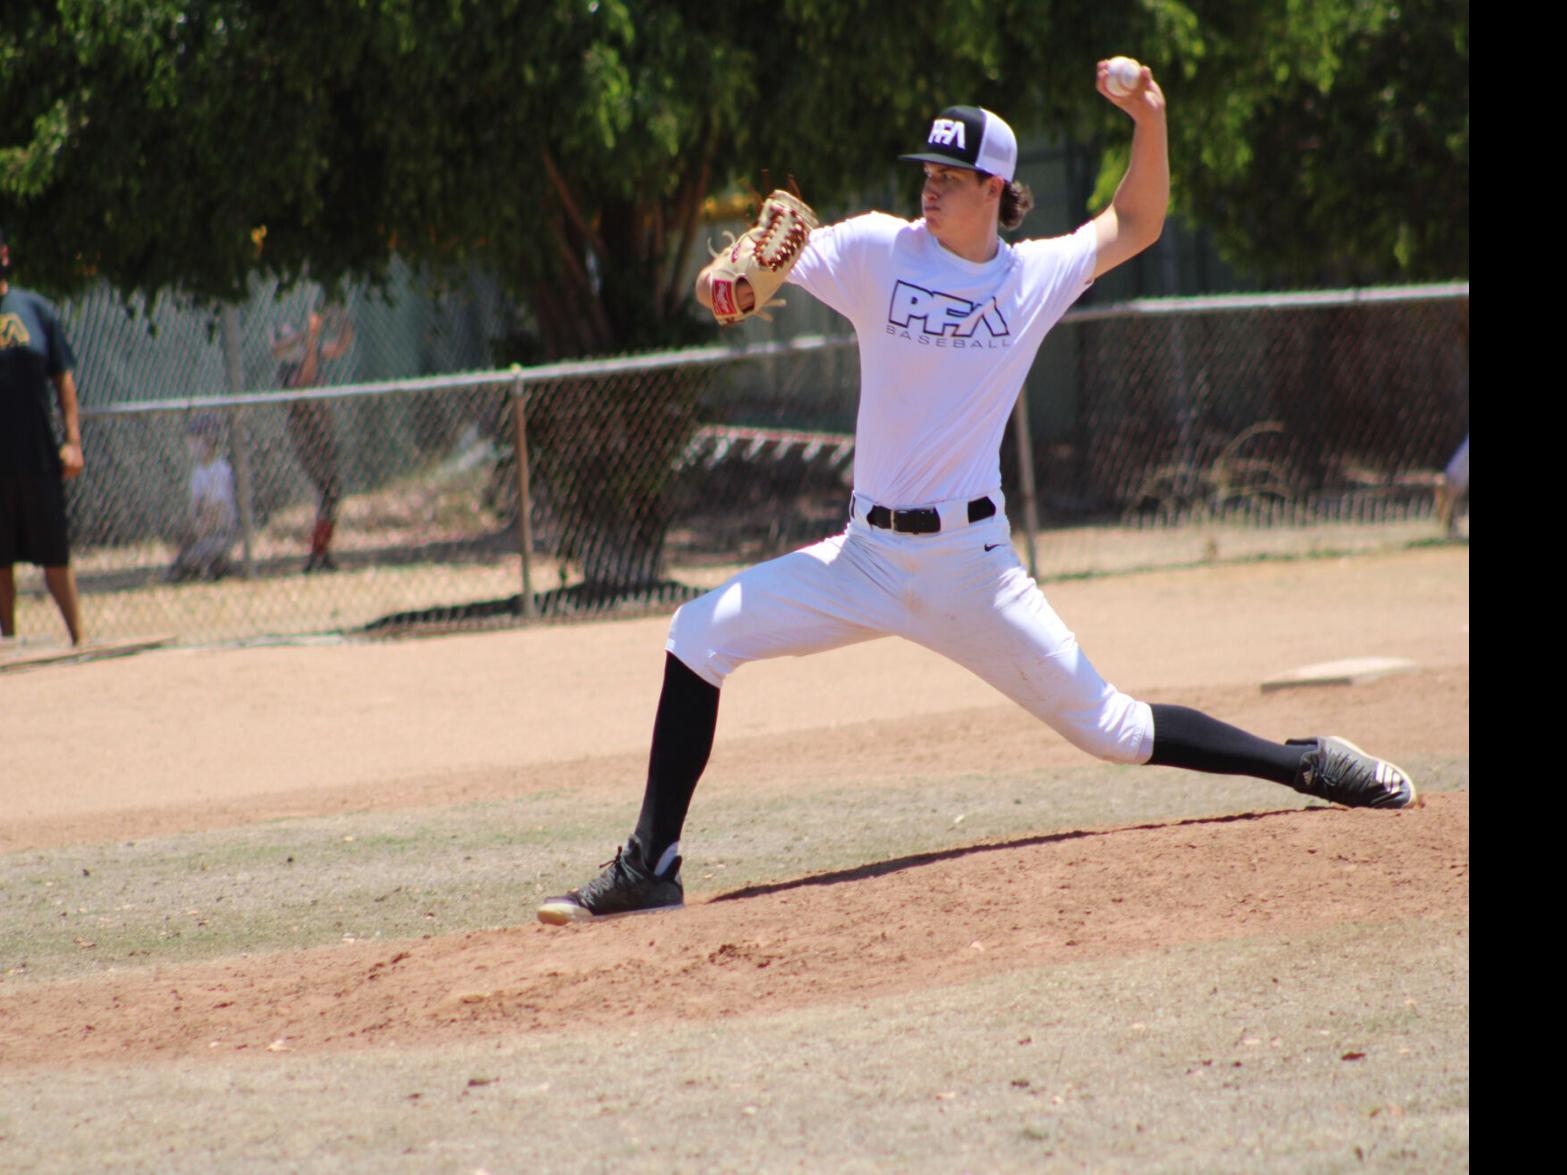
<point x="948" y="318"/>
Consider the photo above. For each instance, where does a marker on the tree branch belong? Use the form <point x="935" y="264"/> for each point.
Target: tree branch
<point x="590" y="309"/>
<point x="689" y="215"/>
<point x="569" y="206"/>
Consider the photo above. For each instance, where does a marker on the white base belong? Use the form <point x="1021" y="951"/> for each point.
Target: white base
<point x="1352" y="671"/>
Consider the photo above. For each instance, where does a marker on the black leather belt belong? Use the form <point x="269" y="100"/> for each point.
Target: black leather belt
<point x="923" y="521"/>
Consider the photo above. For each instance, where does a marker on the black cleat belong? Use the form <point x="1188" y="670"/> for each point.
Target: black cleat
<point x="1339" y="771"/>
<point x="627" y="886"/>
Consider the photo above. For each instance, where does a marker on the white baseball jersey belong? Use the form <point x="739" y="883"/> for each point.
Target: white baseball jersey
<point x="945" y="345"/>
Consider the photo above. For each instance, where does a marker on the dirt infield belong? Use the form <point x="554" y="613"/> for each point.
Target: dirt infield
<point x="290" y="889"/>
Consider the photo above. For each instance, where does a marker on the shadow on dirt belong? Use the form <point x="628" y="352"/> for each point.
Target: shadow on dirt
<point x="918" y="860"/>
<point x="590" y="601"/>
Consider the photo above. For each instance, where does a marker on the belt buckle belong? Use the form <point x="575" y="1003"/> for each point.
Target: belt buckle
<point x="917" y="521"/>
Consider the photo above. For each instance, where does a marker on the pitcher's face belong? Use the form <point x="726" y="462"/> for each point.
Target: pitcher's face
<point x="958" y="201"/>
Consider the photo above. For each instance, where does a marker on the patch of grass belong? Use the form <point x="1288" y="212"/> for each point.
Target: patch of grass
<point x="287" y="884"/>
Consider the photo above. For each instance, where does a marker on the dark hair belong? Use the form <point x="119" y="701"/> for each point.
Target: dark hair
<point x="1017" y="201"/>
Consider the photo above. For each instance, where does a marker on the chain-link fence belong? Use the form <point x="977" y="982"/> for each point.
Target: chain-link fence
<point x="136" y="352"/>
<point x="1160" y="433"/>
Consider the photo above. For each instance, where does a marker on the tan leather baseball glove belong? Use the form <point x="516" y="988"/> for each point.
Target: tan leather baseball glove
<point x="763" y="255"/>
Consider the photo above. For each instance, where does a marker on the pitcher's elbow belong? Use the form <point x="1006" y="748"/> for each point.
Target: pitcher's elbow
<point x="1149" y="237"/>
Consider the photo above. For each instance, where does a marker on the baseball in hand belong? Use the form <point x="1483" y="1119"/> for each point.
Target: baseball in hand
<point x="1123" y="77"/>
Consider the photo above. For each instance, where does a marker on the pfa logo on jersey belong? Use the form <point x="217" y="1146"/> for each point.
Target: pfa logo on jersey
<point x="945" y="320"/>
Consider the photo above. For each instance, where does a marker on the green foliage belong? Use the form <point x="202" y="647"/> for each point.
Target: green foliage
<point x="189" y="144"/>
<point x="1319" y="141"/>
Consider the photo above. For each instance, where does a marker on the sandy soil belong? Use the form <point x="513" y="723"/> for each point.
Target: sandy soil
<point x="182" y="740"/>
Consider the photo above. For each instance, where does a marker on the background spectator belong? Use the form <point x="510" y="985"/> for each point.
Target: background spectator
<point x="34" y="464"/>
<point x="212" y="517"/>
<point x="301" y="352"/>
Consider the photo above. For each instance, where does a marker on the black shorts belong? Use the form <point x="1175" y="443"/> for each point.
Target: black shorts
<point x="32" y="520"/>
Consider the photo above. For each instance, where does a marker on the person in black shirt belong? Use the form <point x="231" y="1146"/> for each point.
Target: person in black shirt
<point x="34" y="463"/>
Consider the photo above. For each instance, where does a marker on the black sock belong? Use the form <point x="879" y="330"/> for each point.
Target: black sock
<point x="1183" y="737"/>
<point x="682" y="741"/>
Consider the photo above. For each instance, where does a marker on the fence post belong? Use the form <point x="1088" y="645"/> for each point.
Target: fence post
<point x="235" y="372"/>
<point x="1185" y="403"/>
<point x="1025" y="475"/>
<point x="519" y="418"/>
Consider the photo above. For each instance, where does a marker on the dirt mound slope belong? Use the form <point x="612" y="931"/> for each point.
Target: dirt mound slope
<point x="891" y="925"/>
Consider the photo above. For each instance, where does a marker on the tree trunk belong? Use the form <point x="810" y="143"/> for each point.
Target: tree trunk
<point x="607" y="451"/>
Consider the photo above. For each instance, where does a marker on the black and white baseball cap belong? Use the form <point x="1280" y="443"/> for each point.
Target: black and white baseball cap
<point x="972" y="137"/>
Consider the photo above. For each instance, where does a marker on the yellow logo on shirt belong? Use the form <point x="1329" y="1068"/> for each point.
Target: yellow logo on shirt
<point x="13" y="332"/>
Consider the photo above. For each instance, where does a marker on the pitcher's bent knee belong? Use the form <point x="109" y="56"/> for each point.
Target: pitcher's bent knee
<point x="691" y="638"/>
<point x="1124" y="731"/>
<point x="1117" y="729"/>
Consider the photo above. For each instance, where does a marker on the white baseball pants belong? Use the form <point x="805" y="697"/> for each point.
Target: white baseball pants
<point x="962" y="593"/>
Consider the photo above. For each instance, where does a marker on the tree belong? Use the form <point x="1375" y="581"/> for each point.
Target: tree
<point x="569" y="146"/>
<point x="1319" y="141"/>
